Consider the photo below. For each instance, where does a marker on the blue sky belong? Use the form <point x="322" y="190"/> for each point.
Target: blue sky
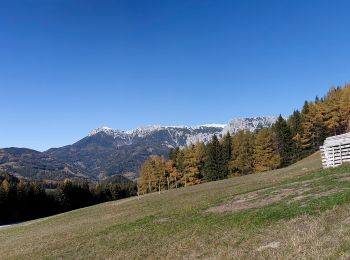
<point x="69" y="66"/>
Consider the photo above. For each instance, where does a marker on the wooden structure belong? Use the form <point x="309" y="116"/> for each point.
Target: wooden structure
<point x="335" y="150"/>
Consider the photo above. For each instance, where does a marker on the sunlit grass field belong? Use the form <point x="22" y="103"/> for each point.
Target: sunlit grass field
<point x="297" y="212"/>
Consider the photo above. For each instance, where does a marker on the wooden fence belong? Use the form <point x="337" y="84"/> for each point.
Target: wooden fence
<point x="335" y="150"/>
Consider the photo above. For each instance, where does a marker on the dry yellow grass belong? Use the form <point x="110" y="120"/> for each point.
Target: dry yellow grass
<point x="176" y="224"/>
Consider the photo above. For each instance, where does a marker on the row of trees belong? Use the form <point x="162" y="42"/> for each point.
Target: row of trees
<point x="21" y="200"/>
<point x="286" y="142"/>
<point x="216" y="160"/>
<point x="325" y="117"/>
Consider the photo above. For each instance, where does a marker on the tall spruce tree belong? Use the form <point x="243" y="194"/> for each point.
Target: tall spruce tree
<point x="214" y="167"/>
<point x="226" y="153"/>
<point x="284" y="141"/>
<point x="295" y="123"/>
<point x="305" y="108"/>
<point x="180" y="161"/>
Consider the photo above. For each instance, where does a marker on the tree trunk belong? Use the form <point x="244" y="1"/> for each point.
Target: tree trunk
<point x="159" y="186"/>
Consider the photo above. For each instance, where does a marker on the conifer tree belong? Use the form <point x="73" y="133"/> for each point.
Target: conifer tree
<point x="214" y="168"/>
<point x="345" y="109"/>
<point x="298" y="151"/>
<point x="283" y="140"/>
<point x="193" y="163"/>
<point x="6" y="186"/>
<point x="172" y="174"/>
<point x="180" y="164"/>
<point x="332" y="112"/>
<point x="265" y="155"/>
<point x="152" y="175"/>
<point x="242" y="153"/>
<point x="145" y="177"/>
<point x="295" y="123"/>
<point x="313" y="127"/>
<point x="199" y="153"/>
<point x="226" y="152"/>
<point x="305" y="108"/>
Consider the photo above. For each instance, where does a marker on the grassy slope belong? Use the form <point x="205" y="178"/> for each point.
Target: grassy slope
<point x="176" y="223"/>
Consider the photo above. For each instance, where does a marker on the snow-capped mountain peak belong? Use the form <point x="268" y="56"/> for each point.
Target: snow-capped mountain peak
<point x="105" y="129"/>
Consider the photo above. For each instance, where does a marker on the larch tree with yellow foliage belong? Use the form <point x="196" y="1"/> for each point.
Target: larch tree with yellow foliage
<point x="194" y="160"/>
<point x="265" y="155"/>
<point x="242" y="153"/>
<point x="152" y="175"/>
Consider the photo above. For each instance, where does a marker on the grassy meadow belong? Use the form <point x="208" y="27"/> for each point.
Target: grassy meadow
<point x="297" y="212"/>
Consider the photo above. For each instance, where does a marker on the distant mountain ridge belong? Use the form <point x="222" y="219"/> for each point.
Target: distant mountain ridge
<point x="201" y="133"/>
<point x="106" y="152"/>
<point x="177" y="135"/>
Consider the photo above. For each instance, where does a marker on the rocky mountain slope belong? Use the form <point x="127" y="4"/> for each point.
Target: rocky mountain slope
<point x="106" y="152"/>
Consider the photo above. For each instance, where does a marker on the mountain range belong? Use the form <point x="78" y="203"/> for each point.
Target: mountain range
<point x="105" y="152"/>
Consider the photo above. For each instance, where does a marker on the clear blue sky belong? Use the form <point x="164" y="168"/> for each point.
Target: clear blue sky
<point x="69" y="66"/>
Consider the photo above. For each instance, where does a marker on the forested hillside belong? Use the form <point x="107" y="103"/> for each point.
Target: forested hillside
<point x="22" y="200"/>
<point x="286" y="142"/>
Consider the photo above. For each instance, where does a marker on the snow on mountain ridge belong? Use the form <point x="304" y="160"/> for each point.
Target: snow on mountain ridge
<point x="187" y="135"/>
<point x="212" y="125"/>
<point x="105" y="129"/>
<point x="149" y="129"/>
<point x="250" y="124"/>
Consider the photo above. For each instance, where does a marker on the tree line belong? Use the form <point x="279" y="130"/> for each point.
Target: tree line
<point x="286" y="142"/>
<point x="22" y="200"/>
